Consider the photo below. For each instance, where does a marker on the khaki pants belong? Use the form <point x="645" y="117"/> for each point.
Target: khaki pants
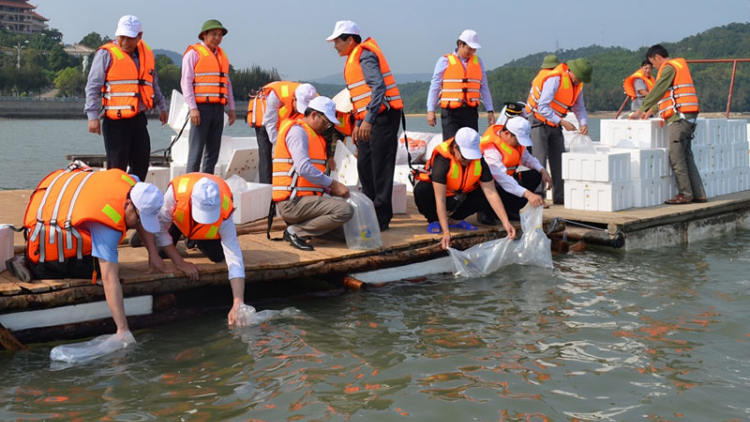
<point x="314" y="215"/>
<point x="686" y="174"/>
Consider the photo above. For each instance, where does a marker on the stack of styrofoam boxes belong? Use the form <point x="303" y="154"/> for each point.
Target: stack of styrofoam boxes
<point x="723" y="158"/>
<point x="647" y="142"/>
<point x="252" y="204"/>
<point x="598" y="181"/>
<point x="6" y="245"/>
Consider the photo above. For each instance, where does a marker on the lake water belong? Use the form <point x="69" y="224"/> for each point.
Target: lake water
<point x="658" y="335"/>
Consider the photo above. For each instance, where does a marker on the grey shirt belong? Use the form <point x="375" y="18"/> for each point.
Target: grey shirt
<point x="297" y="144"/>
<point x="97" y="77"/>
<point x="638" y="85"/>
<point x="374" y="79"/>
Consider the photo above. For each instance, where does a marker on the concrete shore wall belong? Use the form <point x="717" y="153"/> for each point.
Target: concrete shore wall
<point x="24" y="108"/>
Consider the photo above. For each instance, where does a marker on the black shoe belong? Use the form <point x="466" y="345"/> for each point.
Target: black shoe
<point x="297" y="241"/>
<point x="486" y="220"/>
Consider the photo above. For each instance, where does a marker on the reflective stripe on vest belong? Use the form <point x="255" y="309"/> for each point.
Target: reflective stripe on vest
<point x="565" y="97"/>
<point x="211" y="75"/>
<point x="126" y="85"/>
<point x="461" y="85"/>
<point x="359" y="91"/>
<point x="287" y="183"/>
<point x="182" y="188"/>
<point x="681" y="97"/>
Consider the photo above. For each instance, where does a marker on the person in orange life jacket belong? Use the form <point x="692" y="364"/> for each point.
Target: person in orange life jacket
<point x="207" y="89"/>
<point x="638" y="85"/>
<point x="504" y="149"/>
<point x="100" y="206"/>
<point x="297" y="103"/>
<point x="199" y="206"/>
<point x="675" y="99"/>
<point x="377" y="106"/>
<point x="458" y="82"/>
<point x="460" y="183"/>
<point x="299" y="179"/>
<point x="553" y="94"/>
<point x="123" y="74"/>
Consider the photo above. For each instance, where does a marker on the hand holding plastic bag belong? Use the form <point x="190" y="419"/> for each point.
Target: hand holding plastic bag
<point x="485" y="258"/>
<point x="89" y="350"/>
<point x="247" y="316"/>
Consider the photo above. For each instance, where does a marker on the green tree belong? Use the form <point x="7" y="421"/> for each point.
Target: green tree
<point x="70" y="82"/>
<point x="94" y="40"/>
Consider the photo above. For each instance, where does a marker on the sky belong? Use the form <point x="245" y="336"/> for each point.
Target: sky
<point x="290" y="35"/>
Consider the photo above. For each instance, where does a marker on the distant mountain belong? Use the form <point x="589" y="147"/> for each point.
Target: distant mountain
<point x="174" y="56"/>
<point x="402" y="78"/>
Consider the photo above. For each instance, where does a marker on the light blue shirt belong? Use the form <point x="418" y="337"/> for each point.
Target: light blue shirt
<point x="436" y="84"/>
<point x="549" y="89"/>
<point x="104" y="241"/>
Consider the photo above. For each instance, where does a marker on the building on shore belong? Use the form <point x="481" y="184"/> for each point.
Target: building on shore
<point x="20" y="17"/>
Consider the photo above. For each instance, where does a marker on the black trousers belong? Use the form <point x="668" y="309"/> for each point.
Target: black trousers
<point x="265" y="150"/>
<point x="458" y="208"/>
<point x="453" y="119"/>
<point x="529" y="179"/>
<point x="376" y="163"/>
<point x="126" y="143"/>
<point x="205" y="139"/>
<point x="71" y="268"/>
<point x="212" y="249"/>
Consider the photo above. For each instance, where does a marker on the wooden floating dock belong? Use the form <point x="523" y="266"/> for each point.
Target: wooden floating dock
<point x="287" y="272"/>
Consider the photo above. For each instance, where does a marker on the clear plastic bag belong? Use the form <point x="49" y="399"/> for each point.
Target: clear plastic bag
<point x="237" y="184"/>
<point x="247" y="316"/>
<point x="533" y="248"/>
<point x="92" y="349"/>
<point x="582" y="143"/>
<point x="362" y="231"/>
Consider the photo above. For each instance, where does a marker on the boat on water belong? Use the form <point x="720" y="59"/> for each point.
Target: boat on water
<point x="617" y="187"/>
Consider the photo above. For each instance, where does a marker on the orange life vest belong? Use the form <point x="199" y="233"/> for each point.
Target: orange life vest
<point x="511" y="156"/>
<point x="286" y="182"/>
<point x="126" y="85"/>
<point x="461" y="86"/>
<point x="256" y="108"/>
<point x="67" y="199"/>
<point x="565" y="97"/>
<point x="629" y="84"/>
<point x="211" y="75"/>
<point x="459" y="179"/>
<point x="681" y="96"/>
<point x="345" y="123"/>
<point x="359" y="91"/>
<point x="182" y="188"/>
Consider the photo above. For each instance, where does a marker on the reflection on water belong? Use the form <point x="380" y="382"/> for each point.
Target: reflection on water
<point x="657" y="336"/>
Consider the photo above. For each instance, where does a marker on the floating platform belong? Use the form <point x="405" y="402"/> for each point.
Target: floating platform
<point x="276" y="270"/>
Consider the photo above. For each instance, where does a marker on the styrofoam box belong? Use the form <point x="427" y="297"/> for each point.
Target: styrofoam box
<point x="669" y="187"/>
<point x="252" y="204"/>
<point x="596" y="196"/>
<point x="737" y="130"/>
<point x="699" y="134"/>
<point x="719" y="158"/>
<point x="717" y="131"/>
<point x="739" y="155"/>
<point x="709" y="183"/>
<point x="159" y="176"/>
<point x="609" y="166"/>
<point x="6" y="245"/>
<point x="645" y="163"/>
<point x="723" y="182"/>
<point x="641" y="134"/>
<point x="748" y="132"/>
<point x="398" y="198"/>
<point x="180" y="148"/>
<point x="346" y="166"/>
<point x="743" y="179"/>
<point x="401" y="174"/>
<point x="176" y="169"/>
<point x="701" y="156"/>
<point x="648" y="192"/>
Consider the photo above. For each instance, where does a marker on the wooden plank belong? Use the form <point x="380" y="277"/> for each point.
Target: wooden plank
<point x="34" y="287"/>
<point x="56" y="284"/>
<point x="9" y="289"/>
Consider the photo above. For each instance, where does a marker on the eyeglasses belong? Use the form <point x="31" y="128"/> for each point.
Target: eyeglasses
<point x="327" y="123"/>
<point x="137" y="215"/>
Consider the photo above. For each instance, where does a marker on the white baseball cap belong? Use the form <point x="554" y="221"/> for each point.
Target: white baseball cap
<point x="521" y="128"/>
<point x="206" y="201"/>
<point x="326" y="106"/>
<point x="128" y="26"/>
<point x="304" y="93"/>
<point x="148" y="200"/>
<point x="343" y="27"/>
<point x="469" y="36"/>
<point x="467" y="140"/>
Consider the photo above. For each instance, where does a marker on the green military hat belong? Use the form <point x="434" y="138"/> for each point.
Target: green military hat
<point x="211" y="24"/>
<point x="582" y="69"/>
<point x="550" y="61"/>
